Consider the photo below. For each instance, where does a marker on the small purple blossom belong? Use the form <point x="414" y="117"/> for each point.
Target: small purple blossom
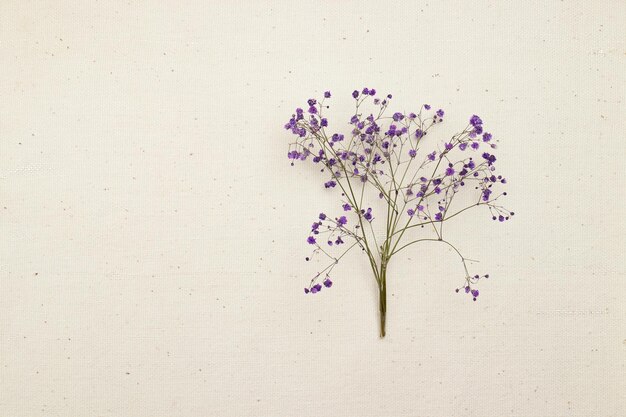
<point x="490" y="158"/>
<point x="475" y="121"/>
<point x="486" y="194"/>
<point x="368" y="214"/>
<point x="398" y="116"/>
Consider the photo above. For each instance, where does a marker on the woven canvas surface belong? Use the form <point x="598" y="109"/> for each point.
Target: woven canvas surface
<point x="153" y="232"/>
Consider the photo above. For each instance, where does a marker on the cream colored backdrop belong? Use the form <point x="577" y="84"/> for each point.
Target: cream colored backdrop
<point x="153" y="232"/>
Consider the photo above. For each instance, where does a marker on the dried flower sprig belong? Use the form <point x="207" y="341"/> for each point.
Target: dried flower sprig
<point x="390" y="156"/>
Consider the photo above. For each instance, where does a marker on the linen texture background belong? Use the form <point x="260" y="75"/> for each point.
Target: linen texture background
<point x="153" y="232"/>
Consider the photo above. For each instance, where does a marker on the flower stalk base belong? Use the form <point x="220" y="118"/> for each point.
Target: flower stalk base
<point x="382" y="298"/>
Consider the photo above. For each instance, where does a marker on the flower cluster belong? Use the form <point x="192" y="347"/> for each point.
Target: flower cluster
<point x="468" y="286"/>
<point x="390" y="157"/>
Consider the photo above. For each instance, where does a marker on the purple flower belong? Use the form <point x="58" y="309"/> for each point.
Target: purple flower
<point x="486" y="194"/>
<point x="330" y="184"/>
<point x="427" y="106"/>
<point x="440" y="113"/>
<point x="431" y="156"/>
<point x="347" y="207"/>
<point x="419" y="133"/>
<point x="327" y="94"/>
<point x="475" y="121"/>
<point x="328" y="283"/>
<point x="316" y="288"/>
<point x="322" y="216"/>
<point x="412" y="153"/>
<point x="438" y="217"/>
<point x="342" y="220"/>
<point x="490" y="158"/>
<point x="410" y="212"/>
<point x="486" y="137"/>
<point x="372" y="92"/>
<point x="398" y="116"/>
<point x="368" y="214"/>
<point x="449" y="171"/>
<point x="355" y="94"/>
<point x="311" y="240"/>
<point x="306" y="290"/>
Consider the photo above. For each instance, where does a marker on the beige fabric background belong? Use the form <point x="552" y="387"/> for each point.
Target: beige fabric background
<point x="151" y="261"/>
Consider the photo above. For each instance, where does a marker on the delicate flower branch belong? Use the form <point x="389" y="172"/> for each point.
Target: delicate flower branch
<point x="386" y="157"/>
